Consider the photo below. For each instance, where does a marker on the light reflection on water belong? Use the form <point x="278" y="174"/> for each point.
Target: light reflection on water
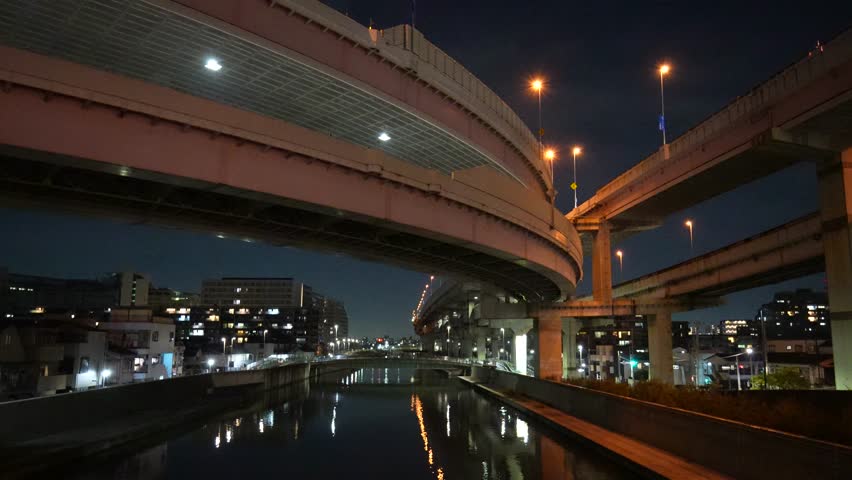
<point x="372" y="423"/>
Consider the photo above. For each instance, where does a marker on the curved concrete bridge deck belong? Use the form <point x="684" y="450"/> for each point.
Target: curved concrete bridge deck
<point x="108" y="109"/>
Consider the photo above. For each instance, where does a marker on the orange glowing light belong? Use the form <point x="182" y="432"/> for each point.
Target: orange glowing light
<point x="577" y="150"/>
<point x="664" y="69"/>
<point x="550" y="154"/>
<point x="537" y="84"/>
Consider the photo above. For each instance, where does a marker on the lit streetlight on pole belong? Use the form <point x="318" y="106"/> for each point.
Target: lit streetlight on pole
<point x="210" y="363"/>
<point x="664" y="70"/>
<point x="736" y="356"/>
<point x="749" y="351"/>
<point x="574" y="152"/>
<point x="537" y="85"/>
<point x="620" y="255"/>
<point x="688" y="224"/>
<point x="224" y="343"/>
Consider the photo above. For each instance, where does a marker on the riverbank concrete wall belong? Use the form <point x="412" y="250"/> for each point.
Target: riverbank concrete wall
<point x="732" y="448"/>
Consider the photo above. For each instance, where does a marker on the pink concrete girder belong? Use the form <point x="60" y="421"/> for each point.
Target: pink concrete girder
<point x="353" y="61"/>
<point x="126" y="143"/>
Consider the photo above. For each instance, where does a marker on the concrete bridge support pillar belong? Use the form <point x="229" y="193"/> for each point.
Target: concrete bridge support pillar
<point x="481" y="336"/>
<point x="570" y="327"/>
<point x="549" y="329"/>
<point x="835" y="185"/>
<point x="467" y="344"/>
<point x="660" y="347"/>
<point x="521" y="349"/>
<point x="602" y="265"/>
<point x="494" y="334"/>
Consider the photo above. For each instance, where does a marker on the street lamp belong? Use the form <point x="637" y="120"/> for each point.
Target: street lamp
<point x="537" y="85"/>
<point x="224" y="342"/>
<point x="264" y="336"/>
<point x="688" y="224"/>
<point x="335" y="331"/>
<point x="502" y="341"/>
<point x="737" y="365"/>
<point x="620" y="255"/>
<point x="749" y="351"/>
<point x="574" y="152"/>
<point x="550" y="156"/>
<point x="210" y="363"/>
<point x="664" y="70"/>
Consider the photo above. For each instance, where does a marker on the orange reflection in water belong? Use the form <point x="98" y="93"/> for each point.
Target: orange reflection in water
<point x="418" y="410"/>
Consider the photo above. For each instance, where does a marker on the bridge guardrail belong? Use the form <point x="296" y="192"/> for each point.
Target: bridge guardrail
<point x="409" y="38"/>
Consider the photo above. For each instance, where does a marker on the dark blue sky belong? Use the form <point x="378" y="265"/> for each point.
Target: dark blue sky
<point x="603" y="93"/>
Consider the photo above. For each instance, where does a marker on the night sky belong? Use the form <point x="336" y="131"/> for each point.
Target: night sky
<point x="600" y="60"/>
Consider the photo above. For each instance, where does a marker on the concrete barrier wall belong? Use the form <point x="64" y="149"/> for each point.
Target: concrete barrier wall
<point x="33" y="418"/>
<point x="23" y="420"/>
<point x="733" y="448"/>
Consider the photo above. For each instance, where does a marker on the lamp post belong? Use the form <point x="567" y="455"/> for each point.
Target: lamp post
<point x="664" y="69"/>
<point x="749" y="351"/>
<point x="737" y="365"/>
<point x="574" y="152"/>
<point x="688" y="224"/>
<point x="264" y="336"/>
<point x="210" y="363"/>
<point x="537" y="85"/>
<point x="502" y="341"/>
<point x="224" y="342"/>
<point x="620" y="255"/>
<point x="550" y="156"/>
<point x="580" y="349"/>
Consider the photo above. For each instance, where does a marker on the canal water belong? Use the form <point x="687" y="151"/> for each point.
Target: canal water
<point x="373" y="423"/>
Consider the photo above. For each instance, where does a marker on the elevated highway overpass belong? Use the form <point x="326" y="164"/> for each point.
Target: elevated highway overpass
<point x="801" y="114"/>
<point x="804" y="113"/>
<point x="792" y="250"/>
<point x="309" y="130"/>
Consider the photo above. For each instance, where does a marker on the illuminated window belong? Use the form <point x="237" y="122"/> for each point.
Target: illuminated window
<point x="237" y="301"/>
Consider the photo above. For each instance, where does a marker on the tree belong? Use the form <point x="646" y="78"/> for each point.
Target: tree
<point x="784" y="378"/>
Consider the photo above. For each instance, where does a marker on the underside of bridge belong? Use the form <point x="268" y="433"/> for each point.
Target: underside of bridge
<point x="58" y="183"/>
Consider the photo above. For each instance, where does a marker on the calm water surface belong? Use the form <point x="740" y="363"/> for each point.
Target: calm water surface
<point x="374" y="423"/>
